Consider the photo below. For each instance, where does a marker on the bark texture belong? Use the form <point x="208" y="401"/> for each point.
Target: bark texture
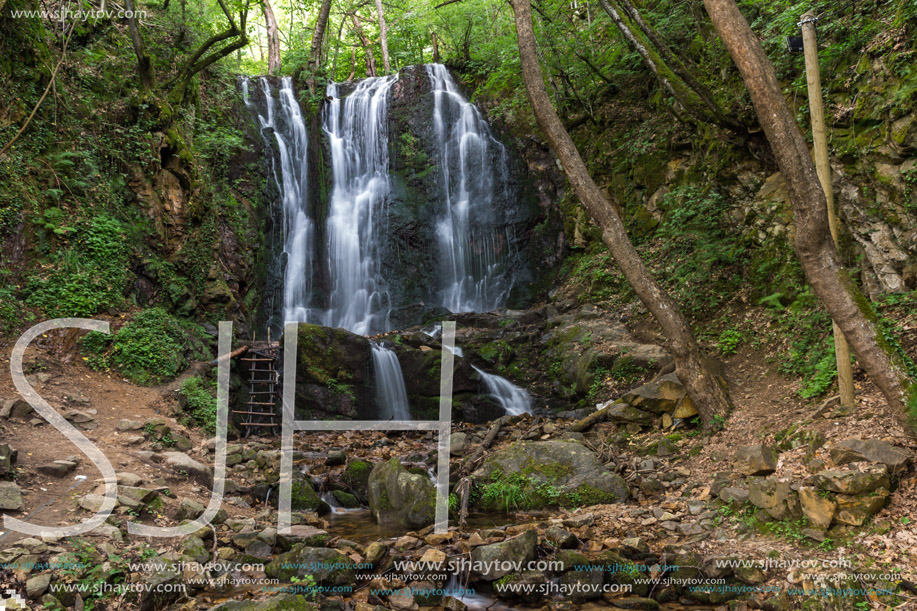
<point x="383" y="37"/>
<point x="273" y="39"/>
<point x="814" y="246"/>
<point x="708" y="396"/>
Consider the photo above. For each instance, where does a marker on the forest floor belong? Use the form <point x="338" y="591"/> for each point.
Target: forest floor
<point x="683" y="514"/>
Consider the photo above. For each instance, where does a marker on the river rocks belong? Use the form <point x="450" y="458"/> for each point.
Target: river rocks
<point x="183" y="465"/>
<point x="853" y="482"/>
<point x="624" y="413"/>
<point x="58" y="468"/>
<point x="189" y="509"/>
<point x="10" y="497"/>
<point x="818" y="509"/>
<point x="125" y="425"/>
<point x="327" y="566"/>
<point x="775" y="497"/>
<point x="399" y="496"/>
<point x="872" y="450"/>
<point x="635" y="602"/>
<point x="304" y="498"/>
<point x="162" y="581"/>
<point x="756" y="459"/>
<point x="560" y="538"/>
<point x="458" y="444"/>
<point x="491" y="562"/>
<point x="356" y="476"/>
<point x="345" y="499"/>
<point x="135" y="497"/>
<point x="567" y="467"/>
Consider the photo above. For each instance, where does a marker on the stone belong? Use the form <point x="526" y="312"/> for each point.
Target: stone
<point x="58" y="468"/>
<point x="193" y="547"/>
<point x="282" y="602"/>
<point x="491" y="562"/>
<point x="189" y="509"/>
<point x="16" y="409"/>
<point x="7" y="460"/>
<point x="872" y="450"/>
<point x="356" y="477"/>
<point x="93" y="502"/>
<point x="10" y="497"/>
<point x="584" y="584"/>
<point x="345" y="499"/>
<point x="560" y="538"/>
<point x="635" y="602"/>
<point x="182" y="444"/>
<point x="684" y="409"/>
<point x="567" y="466"/>
<point x="375" y="552"/>
<point x="775" y="497"/>
<point x="162" y="587"/>
<point x="757" y="459"/>
<point x="817" y="509"/>
<point x="133" y="496"/>
<point x="666" y="447"/>
<point x="458" y="444"/>
<point x="658" y="396"/>
<point x="37" y="585"/>
<point x="336" y="458"/>
<point x="650" y="486"/>
<point x="78" y="416"/>
<point x="304" y="498"/>
<point x="853" y="481"/>
<point x="580" y="520"/>
<point x="327" y="566"/>
<point x="128" y="479"/>
<point x="397" y="496"/>
<point x="855" y="510"/>
<point x="734" y="495"/>
<point x="184" y="466"/>
<point x="303" y="534"/>
<point x="623" y="413"/>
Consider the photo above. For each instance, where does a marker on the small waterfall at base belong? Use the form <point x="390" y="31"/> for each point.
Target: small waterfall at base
<point x="511" y="398"/>
<point x="283" y="119"/>
<point x="357" y="131"/>
<point x="391" y="395"/>
<point x="472" y="165"/>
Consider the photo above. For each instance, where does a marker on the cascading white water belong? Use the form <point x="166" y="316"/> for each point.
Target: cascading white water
<point x="285" y="123"/>
<point x="391" y="395"/>
<point x="472" y="165"/>
<point x="356" y="128"/>
<point x="511" y="398"/>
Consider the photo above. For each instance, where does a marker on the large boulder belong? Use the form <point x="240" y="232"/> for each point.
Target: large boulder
<point x="491" y="562"/>
<point x="185" y="466"/>
<point x="397" y="496"/>
<point x="871" y="450"/>
<point x="757" y="459"/>
<point x="853" y="481"/>
<point x="775" y="497"/>
<point x="818" y="509"/>
<point x="548" y="473"/>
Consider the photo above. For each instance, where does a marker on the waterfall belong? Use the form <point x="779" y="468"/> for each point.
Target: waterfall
<point x="357" y="131"/>
<point x="391" y="395"/>
<point x="283" y="120"/>
<point x="472" y="165"/>
<point x="511" y="398"/>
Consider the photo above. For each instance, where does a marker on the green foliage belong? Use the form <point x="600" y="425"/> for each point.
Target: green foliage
<point x="90" y="273"/>
<point x="152" y="348"/>
<point x="200" y="401"/>
<point x="729" y="341"/>
<point x="505" y="492"/>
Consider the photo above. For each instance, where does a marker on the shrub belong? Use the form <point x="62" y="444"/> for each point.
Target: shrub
<point x="152" y="348"/>
<point x="199" y="400"/>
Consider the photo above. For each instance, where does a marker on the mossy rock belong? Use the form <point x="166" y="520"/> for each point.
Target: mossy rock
<point x="397" y="496"/>
<point x="284" y="602"/>
<point x="327" y="566"/>
<point x="356" y="476"/>
<point x="304" y="498"/>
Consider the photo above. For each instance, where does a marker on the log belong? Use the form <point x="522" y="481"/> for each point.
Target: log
<point x="589" y="421"/>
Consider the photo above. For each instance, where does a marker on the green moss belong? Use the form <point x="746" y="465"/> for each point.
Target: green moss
<point x="586" y="494"/>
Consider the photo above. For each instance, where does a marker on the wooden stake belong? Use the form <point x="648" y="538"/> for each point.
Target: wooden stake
<point x="823" y="167"/>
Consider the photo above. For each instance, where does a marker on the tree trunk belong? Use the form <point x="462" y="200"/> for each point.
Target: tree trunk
<point x="383" y="37"/>
<point x="435" y="48"/>
<point x="318" y="35"/>
<point x="367" y="46"/>
<point x="814" y="246"/>
<point x="710" y="399"/>
<point x="144" y="65"/>
<point x="273" y="39"/>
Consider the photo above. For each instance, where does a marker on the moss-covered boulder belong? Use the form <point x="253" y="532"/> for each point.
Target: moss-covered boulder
<point x="491" y="562"/>
<point x="333" y="373"/>
<point x="283" y="602"/>
<point x="536" y="474"/>
<point x="304" y="498"/>
<point x="356" y="477"/>
<point x="397" y="496"/>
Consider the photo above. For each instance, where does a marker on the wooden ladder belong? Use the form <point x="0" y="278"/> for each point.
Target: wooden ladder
<point x="263" y="382"/>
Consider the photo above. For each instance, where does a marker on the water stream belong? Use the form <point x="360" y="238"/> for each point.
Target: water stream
<point x="512" y="399"/>
<point x="391" y="394"/>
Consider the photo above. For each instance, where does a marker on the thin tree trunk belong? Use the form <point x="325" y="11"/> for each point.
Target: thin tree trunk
<point x="383" y="37"/>
<point x="318" y="34"/>
<point x="144" y="65"/>
<point x="814" y="246"/>
<point x="435" y="48"/>
<point x="710" y="399"/>
<point x="273" y="39"/>
<point x="367" y="46"/>
<point x="353" y="63"/>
